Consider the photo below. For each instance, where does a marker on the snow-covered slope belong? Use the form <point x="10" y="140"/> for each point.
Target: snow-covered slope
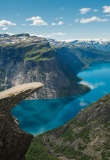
<point x="23" y="38"/>
<point x="101" y="44"/>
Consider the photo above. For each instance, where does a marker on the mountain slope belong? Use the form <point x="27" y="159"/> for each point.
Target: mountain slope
<point x="25" y="58"/>
<point x="97" y="44"/>
<point x="90" y="55"/>
<point x="87" y="51"/>
<point x="86" y="137"/>
<point x="101" y="44"/>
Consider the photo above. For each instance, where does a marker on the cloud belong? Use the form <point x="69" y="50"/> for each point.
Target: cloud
<point x="83" y="104"/>
<point x="106" y="9"/>
<point x="60" y="34"/>
<point x="60" y="23"/>
<point x="92" y="86"/>
<point x="76" y="20"/>
<point x="84" y="10"/>
<point x="53" y="24"/>
<point x="108" y="15"/>
<point x="41" y="130"/>
<point x="4" y="28"/>
<point x="92" y="19"/>
<point x="10" y="33"/>
<point x="37" y="21"/>
<point x="52" y="35"/>
<point x="4" y="23"/>
<point x="57" y="24"/>
<point x="105" y="92"/>
<point x="59" y="18"/>
<point x="95" y="10"/>
<point x="56" y="34"/>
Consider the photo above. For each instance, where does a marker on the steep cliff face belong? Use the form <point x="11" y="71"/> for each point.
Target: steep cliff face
<point x="86" y="137"/>
<point x="25" y="59"/>
<point x="90" y="55"/>
<point x="13" y="141"/>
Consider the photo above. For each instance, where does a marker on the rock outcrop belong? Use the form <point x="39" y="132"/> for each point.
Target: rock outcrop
<point x="25" y="59"/>
<point x="13" y="141"/>
<point x="86" y="137"/>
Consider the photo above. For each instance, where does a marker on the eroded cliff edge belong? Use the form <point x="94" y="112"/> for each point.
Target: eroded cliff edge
<point x="13" y="141"/>
<point x="25" y="59"/>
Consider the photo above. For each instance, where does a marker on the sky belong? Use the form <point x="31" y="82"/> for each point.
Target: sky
<point x="56" y="19"/>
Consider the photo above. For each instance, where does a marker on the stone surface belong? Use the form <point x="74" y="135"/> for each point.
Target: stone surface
<point x="11" y="97"/>
<point x="13" y="141"/>
<point x="25" y="59"/>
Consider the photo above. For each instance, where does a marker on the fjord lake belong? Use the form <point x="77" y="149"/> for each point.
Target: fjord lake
<point x="38" y="116"/>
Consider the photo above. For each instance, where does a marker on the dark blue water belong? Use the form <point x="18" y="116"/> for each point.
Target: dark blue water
<point x="37" y="116"/>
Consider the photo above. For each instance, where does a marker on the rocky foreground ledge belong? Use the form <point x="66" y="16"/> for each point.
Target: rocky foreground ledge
<point x="13" y="141"/>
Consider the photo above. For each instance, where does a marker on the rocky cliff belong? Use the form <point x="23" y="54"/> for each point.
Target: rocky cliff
<point x="13" y="141"/>
<point x="86" y="137"/>
<point x="25" y="58"/>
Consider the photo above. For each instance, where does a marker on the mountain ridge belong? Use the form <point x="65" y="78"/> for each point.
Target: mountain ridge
<point x="99" y="44"/>
<point x="25" y="58"/>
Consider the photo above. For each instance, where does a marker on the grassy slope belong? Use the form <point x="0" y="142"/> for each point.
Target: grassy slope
<point x="41" y="52"/>
<point x="86" y="137"/>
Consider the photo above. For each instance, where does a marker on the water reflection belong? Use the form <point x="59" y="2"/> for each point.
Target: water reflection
<point x="37" y="116"/>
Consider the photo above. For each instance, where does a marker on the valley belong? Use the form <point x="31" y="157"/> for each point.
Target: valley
<point x="54" y="80"/>
<point x="86" y="137"/>
<point x="38" y="116"/>
<point x="75" y="75"/>
<point x="25" y="58"/>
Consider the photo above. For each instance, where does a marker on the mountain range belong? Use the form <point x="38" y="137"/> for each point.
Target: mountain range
<point x="25" y="58"/>
<point x="99" y="44"/>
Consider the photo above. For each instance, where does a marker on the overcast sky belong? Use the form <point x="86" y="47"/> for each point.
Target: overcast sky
<point x="58" y="19"/>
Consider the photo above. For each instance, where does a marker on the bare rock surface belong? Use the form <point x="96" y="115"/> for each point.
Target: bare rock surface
<point x="13" y="141"/>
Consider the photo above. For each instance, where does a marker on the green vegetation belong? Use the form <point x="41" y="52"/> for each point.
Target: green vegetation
<point x="88" y="131"/>
<point x="24" y="51"/>
<point x="35" y="54"/>
<point x="81" y="147"/>
<point x="39" y="53"/>
<point x="68" y="135"/>
<point x="105" y="155"/>
<point x="84" y="134"/>
<point x="38" y="150"/>
<point x="70" y="152"/>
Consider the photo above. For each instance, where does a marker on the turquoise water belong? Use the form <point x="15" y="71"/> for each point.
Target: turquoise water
<point x="37" y="116"/>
